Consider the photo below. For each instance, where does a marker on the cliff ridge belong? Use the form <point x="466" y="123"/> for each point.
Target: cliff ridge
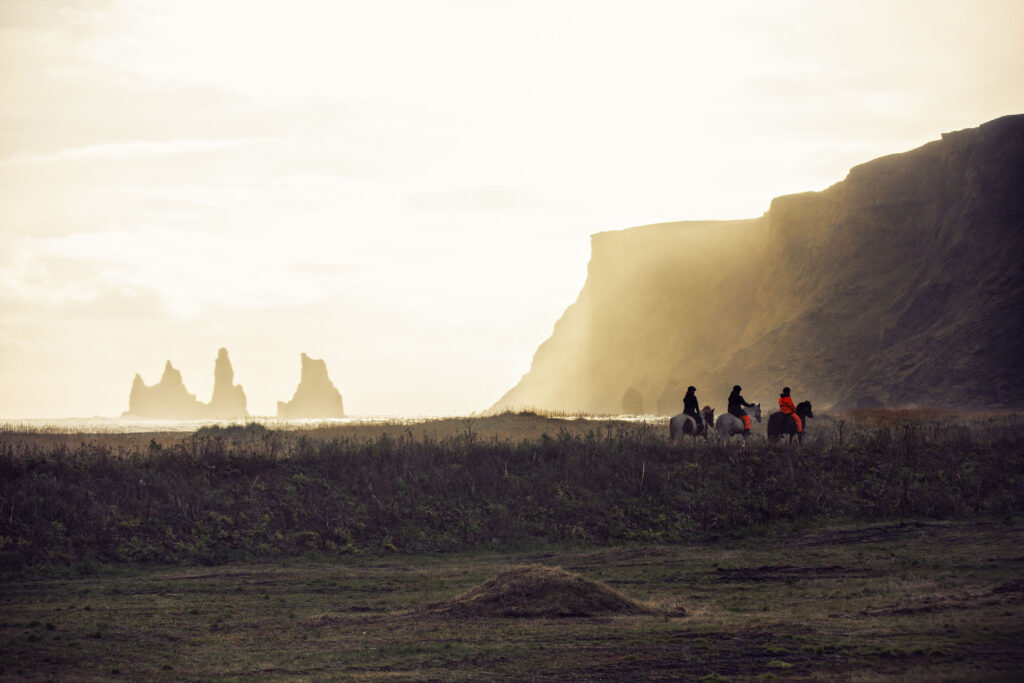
<point x="900" y="285"/>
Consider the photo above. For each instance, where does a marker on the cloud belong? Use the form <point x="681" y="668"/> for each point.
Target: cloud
<point x="160" y="274"/>
<point x="44" y="14"/>
<point x="132" y="150"/>
<point x="491" y="198"/>
<point x="324" y="270"/>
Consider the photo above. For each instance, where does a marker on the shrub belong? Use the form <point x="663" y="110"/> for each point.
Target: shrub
<point x="217" y="496"/>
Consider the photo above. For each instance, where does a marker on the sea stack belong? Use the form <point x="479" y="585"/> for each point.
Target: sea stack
<point x="316" y="397"/>
<point x="167" y="399"/>
<point x="228" y="400"/>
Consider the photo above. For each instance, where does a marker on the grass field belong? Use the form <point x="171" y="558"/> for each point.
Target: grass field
<point x="909" y="600"/>
<point x="889" y="546"/>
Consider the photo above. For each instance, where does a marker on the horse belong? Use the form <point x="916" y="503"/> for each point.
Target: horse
<point x="730" y="425"/>
<point x="781" y="424"/>
<point x="682" y="424"/>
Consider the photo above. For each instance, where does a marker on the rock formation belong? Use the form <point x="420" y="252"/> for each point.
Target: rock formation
<point x="316" y="397"/>
<point x="170" y="400"/>
<point x="632" y="402"/>
<point x="228" y="400"/>
<point x="167" y="399"/>
<point x="901" y="285"/>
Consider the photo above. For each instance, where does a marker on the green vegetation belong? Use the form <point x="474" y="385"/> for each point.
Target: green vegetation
<point x="888" y="546"/>
<point x="223" y="495"/>
<point x="910" y="601"/>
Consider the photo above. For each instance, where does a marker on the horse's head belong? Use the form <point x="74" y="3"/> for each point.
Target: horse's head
<point x="756" y="411"/>
<point x="708" y="413"/>
<point x="804" y="410"/>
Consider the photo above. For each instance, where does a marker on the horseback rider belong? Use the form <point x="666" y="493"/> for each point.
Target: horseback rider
<point x="786" y="406"/>
<point x="736" y="405"/>
<point x="691" y="407"/>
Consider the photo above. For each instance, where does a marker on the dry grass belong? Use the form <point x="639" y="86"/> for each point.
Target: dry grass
<point x="827" y="605"/>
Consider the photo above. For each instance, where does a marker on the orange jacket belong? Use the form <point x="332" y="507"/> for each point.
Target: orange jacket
<point x="786" y="404"/>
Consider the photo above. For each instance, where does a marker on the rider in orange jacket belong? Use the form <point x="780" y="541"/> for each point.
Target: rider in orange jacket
<point x="786" y="406"/>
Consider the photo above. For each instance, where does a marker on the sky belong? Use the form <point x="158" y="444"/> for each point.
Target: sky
<point x="407" y="189"/>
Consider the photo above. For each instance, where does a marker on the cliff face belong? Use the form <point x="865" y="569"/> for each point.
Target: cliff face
<point x="169" y="399"/>
<point x="901" y="285"/>
<point x="316" y="396"/>
<point x="656" y="308"/>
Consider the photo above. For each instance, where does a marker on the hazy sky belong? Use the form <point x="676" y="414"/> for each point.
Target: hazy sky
<point x="407" y="189"/>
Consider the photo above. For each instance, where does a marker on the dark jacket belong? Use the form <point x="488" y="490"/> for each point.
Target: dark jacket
<point x="690" y="404"/>
<point x="737" y="403"/>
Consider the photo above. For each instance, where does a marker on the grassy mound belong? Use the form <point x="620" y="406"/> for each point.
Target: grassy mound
<point x="537" y="591"/>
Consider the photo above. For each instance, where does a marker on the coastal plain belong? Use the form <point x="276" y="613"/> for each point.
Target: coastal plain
<point x="906" y="600"/>
<point x="886" y="547"/>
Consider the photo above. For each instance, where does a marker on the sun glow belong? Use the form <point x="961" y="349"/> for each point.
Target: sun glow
<point x="407" y="189"/>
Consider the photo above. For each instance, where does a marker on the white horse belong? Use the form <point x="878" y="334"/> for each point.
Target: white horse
<point x="683" y="424"/>
<point x="730" y="425"/>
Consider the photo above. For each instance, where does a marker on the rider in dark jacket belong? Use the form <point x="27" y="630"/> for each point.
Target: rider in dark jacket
<point x="691" y="407"/>
<point x="736" y="405"/>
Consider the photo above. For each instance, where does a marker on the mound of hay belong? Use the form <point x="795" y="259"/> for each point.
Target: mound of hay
<point x="537" y="591"/>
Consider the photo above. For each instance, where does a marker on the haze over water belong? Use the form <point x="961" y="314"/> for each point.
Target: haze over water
<point x="407" y="190"/>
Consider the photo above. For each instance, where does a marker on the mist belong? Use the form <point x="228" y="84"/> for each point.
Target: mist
<point x="409" y="192"/>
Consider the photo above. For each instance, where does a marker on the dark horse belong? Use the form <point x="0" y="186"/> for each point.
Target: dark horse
<point x="781" y="424"/>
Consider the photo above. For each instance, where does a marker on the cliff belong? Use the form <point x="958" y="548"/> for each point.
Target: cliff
<point x="316" y="396"/>
<point x="900" y="285"/>
<point x="169" y="399"/>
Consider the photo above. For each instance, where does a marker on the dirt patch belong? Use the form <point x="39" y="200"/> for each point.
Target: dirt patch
<point x="321" y="620"/>
<point x="784" y="573"/>
<point x="1007" y="593"/>
<point x="870" y="534"/>
<point x="538" y="591"/>
<point x="1012" y="586"/>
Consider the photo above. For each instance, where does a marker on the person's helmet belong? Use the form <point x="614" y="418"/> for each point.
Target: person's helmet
<point x="688" y="389"/>
<point x="785" y="391"/>
<point x="737" y="388"/>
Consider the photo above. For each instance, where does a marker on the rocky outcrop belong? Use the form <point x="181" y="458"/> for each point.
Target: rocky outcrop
<point x="167" y="399"/>
<point x="170" y="400"/>
<point x="228" y="400"/>
<point x="901" y="285"/>
<point x="316" y="396"/>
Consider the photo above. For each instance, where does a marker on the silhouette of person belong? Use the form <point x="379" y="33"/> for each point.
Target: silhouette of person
<point x="786" y="406"/>
<point x="736" y="405"/>
<point x="691" y="407"/>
